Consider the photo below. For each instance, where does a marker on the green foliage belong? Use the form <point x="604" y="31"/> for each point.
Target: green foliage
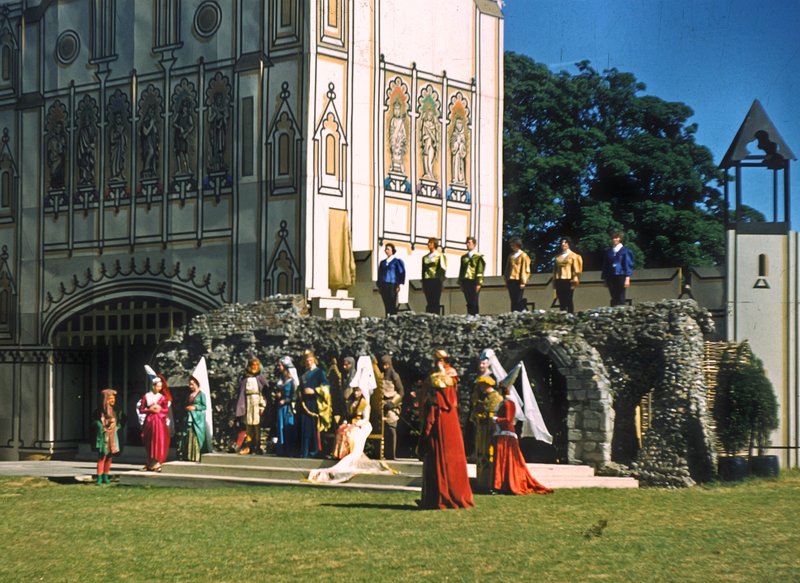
<point x="745" y="408"/>
<point x="586" y="154"/>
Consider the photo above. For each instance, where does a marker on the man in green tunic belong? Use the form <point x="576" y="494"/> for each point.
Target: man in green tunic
<point x="470" y="276"/>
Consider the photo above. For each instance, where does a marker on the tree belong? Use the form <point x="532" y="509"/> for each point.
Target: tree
<point x="745" y="406"/>
<point x="586" y="154"/>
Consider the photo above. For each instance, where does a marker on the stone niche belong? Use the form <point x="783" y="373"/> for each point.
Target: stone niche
<point x="621" y="389"/>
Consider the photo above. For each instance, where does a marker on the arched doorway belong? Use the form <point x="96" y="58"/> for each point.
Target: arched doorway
<point x="118" y="337"/>
<point x="550" y="389"/>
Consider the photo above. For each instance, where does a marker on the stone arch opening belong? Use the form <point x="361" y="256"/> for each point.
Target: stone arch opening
<point x="550" y="390"/>
<point x="574" y="398"/>
<point x="118" y="336"/>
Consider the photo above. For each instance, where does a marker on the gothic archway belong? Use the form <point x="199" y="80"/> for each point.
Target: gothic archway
<point x="118" y="336"/>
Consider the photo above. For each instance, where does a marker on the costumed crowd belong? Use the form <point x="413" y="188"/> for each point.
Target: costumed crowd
<point x="334" y="413"/>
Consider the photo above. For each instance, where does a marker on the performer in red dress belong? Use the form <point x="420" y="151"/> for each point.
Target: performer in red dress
<point x="511" y="475"/>
<point x="445" y="483"/>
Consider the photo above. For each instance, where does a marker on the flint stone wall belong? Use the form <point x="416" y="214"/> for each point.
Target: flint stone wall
<point x="609" y="358"/>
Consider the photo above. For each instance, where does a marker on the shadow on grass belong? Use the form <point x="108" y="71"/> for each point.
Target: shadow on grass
<point x="375" y="506"/>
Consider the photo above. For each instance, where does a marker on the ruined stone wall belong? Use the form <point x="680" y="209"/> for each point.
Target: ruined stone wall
<point x="609" y="359"/>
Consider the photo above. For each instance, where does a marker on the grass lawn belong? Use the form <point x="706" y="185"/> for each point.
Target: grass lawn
<point x="51" y="532"/>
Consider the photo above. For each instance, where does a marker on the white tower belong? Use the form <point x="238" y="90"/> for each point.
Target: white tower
<point x="762" y="267"/>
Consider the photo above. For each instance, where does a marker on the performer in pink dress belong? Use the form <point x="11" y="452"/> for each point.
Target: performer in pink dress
<point x="155" y="431"/>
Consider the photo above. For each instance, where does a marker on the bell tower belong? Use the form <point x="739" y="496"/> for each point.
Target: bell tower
<point x="762" y="269"/>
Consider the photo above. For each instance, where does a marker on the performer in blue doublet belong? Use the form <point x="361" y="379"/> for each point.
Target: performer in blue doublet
<point x="313" y="407"/>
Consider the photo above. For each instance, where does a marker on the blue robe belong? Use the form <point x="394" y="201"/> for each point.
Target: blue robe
<point x="308" y="412"/>
<point x="285" y="428"/>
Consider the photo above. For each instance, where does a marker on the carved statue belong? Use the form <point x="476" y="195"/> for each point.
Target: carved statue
<point x="117" y="146"/>
<point x="56" y="147"/>
<point x="183" y="128"/>
<point x="398" y="138"/>
<point x="149" y="136"/>
<point x="429" y="144"/>
<point x="87" y="136"/>
<point x="458" y="153"/>
<point x="218" y="128"/>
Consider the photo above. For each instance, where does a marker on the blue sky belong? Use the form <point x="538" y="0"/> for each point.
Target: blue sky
<point x="716" y="56"/>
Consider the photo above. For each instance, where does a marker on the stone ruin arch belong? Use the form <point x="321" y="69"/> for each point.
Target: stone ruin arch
<point x="589" y="421"/>
<point x="609" y="358"/>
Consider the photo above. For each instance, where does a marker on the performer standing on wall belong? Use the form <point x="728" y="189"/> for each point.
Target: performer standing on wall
<point x="617" y="269"/>
<point x="567" y="268"/>
<point x="391" y="275"/>
<point x="470" y="276"/>
<point x="518" y="270"/>
<point x="434" y="266"/>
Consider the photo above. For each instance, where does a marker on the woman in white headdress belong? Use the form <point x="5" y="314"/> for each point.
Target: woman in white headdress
<point x="199" y="424"/>
<point x="356" y="462"/>
<point x="285" y="428"/>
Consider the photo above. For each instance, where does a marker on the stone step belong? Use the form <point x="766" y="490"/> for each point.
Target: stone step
<point x="562" y="482"/>
<point x="165" y="478"/>
<point x="169" y="477"/>
<point x="342" y="313"/>
<point x="321" y="303"/>
<point x="227" y="469"/>
<point x="348" y="313"/>
<point x="405" y="465"/>
<point x="283" y="473"/>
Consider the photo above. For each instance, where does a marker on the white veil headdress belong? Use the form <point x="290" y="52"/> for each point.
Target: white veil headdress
<point x="287" y="362"/>
<point x="356" y="462"/>
<point x="200" y="372"/>
<point x="528" y="411"/>
<point x="364" y="379"/>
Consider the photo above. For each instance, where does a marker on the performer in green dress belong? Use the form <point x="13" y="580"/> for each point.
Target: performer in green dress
<point x="199" y="428"/>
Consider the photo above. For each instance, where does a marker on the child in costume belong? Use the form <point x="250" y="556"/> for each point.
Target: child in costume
<point x="107" y="435"/>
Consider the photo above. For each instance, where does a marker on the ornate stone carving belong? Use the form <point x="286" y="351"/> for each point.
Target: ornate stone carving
<point x="398" y="137"/>
<point x="184" y="101"/>
<point x="86" y="117"/>
<point x="218" y="101"/>
<point x="429" y="131"/>
<point x="458" y="153"/>
<point x="397" y="102"/>
<point x="459" y="142"/>
<point x="117" y="119"/>
<point x="56" y="124"/>
<point x="150" y="108"/>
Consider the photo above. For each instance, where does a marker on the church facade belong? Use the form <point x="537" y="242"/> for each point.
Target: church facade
<point x="162" y="158"/>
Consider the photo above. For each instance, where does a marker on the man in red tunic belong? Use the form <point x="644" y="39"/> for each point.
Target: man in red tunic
<point x="445" y="483"/>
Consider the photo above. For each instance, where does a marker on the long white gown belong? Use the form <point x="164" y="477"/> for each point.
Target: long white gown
<point x="355" y="462"/>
